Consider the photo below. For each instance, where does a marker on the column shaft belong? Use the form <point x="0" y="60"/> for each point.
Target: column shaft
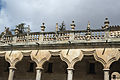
<point x="38" y="74"/>
<point x="70" y="74"/>
<point x="11" y="73"/>
<point x="106" y="74"/>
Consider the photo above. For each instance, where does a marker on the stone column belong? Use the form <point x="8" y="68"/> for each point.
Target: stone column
<point x="71" y="57"/>
<point x="38" y="73"/>
<point x="13" y="58"/>
<point x="40" y="57"/>
<point x="106" y="57"/>
<point x="11" y="73"/>
<point x="70" y="74"/>
<point x="106" y="74"/>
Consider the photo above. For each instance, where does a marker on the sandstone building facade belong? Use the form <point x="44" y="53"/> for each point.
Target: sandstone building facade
<point x="91" y="54"/>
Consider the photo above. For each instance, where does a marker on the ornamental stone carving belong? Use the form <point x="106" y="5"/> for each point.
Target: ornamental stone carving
<point x="40" y="56"/>
<point x="106" y="56"/>
<point x="115" y="76"/>
<point x="13" y="57"/>
<point x="71" y="56"/>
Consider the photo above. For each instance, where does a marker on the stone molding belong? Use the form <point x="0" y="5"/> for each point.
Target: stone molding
<point x="55" y="52"/>
<point x="26" y="53"/>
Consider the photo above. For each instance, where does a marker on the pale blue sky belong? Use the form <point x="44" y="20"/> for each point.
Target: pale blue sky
<point x="34" y="12"/>
<point x="0" y="4"/>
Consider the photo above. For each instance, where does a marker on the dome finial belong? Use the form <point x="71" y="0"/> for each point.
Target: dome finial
<point x="43" y="27"/>
<point x="56" y="27"/>
<point x="73" y="25"/>
<point x="106" y="23"/>
<point x="88" y="26"/>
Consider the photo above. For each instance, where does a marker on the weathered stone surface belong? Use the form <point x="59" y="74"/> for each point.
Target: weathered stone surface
<point x="107" y="56"/>
<point x="71" y="56"/>
<point x="40" y="56"/>
<point x="13" y="57"/>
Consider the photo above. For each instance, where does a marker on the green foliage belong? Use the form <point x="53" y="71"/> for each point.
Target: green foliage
<point x="62" y="27"/>
<point x="21" y="28"/>
<point x="7" y="32"/>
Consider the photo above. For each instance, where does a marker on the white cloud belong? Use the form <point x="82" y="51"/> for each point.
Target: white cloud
<point x="34" y="12"/>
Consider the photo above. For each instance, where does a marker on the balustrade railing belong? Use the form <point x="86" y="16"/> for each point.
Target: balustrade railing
<point x="59" y="36"/>
<point x="7" y="39"/>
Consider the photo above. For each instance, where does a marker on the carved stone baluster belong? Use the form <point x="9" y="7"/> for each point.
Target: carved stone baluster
<point x="44" y="37"/>
<point x="30" y="37"/>
<point x="50" y="38"/>
<point x="41" y="37"/>
<point x="47" y="37"/>
<point x="38" y="37"/>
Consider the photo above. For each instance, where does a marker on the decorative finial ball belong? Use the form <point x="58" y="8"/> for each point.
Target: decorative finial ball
<point x="73" y="21"/>
<point x="43" y="23"/>
<point x="106" y="18"/>
<point x="56" y="23"/>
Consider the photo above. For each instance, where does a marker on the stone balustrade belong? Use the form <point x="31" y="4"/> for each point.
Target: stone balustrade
<point x="62" y="37"/>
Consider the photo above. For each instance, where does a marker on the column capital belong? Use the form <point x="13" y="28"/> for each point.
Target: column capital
<point x="106" y="69"/>
<point x="39" y="68"/>
<point x="14" y="68"/>
<point x="70" y="68"/>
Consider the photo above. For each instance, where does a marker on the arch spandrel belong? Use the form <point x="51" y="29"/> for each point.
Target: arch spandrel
<point x="106" y="56"/>
<point x="13" y="57"/>
<point x="40" y="56"/>
<point x="71" y="56"/>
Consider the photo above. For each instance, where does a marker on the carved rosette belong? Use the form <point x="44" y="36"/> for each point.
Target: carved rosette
<point x="39" y="57"/>
<point x="71" y="57"/>
<point x="107" y="56"/>
<point x="116" y="74"/>
<point x="13" y="57"/>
